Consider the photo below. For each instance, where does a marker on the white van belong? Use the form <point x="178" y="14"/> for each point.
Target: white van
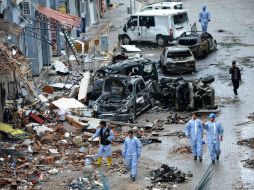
<point x="163" y="6"/>
<point x="155" y="26"/>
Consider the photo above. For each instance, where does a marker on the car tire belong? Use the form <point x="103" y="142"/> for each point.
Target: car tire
<point x="161" y="41"/>
<point x="132" y="115"/>
<point x="126" y="40"/>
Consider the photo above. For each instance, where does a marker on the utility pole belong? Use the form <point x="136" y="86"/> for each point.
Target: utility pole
<point x="131" y="7"/>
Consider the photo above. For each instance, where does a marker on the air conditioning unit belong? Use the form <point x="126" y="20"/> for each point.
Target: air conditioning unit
<point x="25" y="7"/>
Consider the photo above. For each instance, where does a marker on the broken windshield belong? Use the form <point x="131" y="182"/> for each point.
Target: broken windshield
<point x="116" y="87"/>
<point x="174" y="55"/>
<point x="180" y="18"/>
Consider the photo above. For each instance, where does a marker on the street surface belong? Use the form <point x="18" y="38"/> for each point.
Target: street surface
<point x="236" y="42"/>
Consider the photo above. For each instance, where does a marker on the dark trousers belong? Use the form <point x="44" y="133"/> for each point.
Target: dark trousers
<point x="236" y="85"/>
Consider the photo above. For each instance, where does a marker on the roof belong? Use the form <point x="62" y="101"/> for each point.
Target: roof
<point x="165" y="4"/>
<point x="163" y="12"/>
<point x="65" y="19"/>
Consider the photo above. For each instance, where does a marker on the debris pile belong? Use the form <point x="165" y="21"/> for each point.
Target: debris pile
<point x="247" y="142"/>
<point x="168" y="174"/>
<point x="249" y="163"/>
<point x="182" y="150"/>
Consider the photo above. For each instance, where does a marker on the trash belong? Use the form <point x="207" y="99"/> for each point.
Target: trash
<point x="67" y="135"/>
<point x="182" y="150"/>
<point x="41" y="129"/>
<point x="53" y="151"/>
<point x="130" y="48"/>
<point x="77" y="140"/>
<point x="60" y="67"/>
<point x="247" y="142"/>
<point x="53" y="171"/>
<point x="168" y="174"/>
<point x="68" y="103"/>
<point x="249" y="163"/>
<point x="150" y="141"/>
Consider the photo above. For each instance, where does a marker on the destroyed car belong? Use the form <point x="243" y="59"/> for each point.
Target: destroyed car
<point x="200" y="43"/>
<point x="183" y="95"/>
<point x="122" y="98"/>
<point x="135" y="66"/>
<point x="177" y="60"/>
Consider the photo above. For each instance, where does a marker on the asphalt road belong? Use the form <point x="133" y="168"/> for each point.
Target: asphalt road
<point x="236" y="42"/>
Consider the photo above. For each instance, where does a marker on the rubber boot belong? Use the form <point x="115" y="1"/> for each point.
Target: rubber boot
<point x="98" y="163"/>
<point x="109" y="161"/>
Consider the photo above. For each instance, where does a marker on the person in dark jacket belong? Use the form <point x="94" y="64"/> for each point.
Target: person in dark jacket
<point x="235" y="76"/>
<point x="106" y="136"/>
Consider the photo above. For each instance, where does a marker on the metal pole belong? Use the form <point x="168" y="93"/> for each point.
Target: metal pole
<point x="134" y="6"/>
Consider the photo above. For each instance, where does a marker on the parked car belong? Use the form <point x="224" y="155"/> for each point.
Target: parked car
<point x="122" y="98"/>
<point x="200" y="43"/>
<point x="155" y="26"/>
<point x="163" y="5"/>
<point x="177" y="60"/>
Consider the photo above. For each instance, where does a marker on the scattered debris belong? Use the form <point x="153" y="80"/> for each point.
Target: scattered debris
<point x="247" y="142"/>
<point x="249" y="163"/>
<point x="168" y="174"/>
<point x="182" y="150"/>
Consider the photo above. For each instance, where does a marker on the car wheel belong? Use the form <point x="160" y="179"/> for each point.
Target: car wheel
<point x="161" y="41"/>
<point x="126" y="40"/>
<point x="132" y="115"/>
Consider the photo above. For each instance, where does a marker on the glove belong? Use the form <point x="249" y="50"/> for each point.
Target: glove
<point x="221" y="138"/>
<point x="199" y="20"/>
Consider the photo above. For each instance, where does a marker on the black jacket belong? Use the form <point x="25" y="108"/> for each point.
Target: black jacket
<point x="238" y="73"/>
<point x="104" y="136"/>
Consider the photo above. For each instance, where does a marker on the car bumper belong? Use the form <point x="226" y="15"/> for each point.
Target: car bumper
<point x="180" y="68"/>
<point x="115" y="116"/>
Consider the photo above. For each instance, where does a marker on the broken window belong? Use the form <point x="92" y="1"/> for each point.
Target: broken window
<point x="180" y="18"/>
<point x="140" y="86"/>
<point x="148" y="8"/>
<point x="175" y="55"/>
<point x="165" y="8"/>
<point x="133" y="21"/>
<point x="147" y="21"/>
<point x="25" y="8"/>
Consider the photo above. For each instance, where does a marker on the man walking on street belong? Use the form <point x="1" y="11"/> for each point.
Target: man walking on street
<point x="235" y="76"/>
<point x="131" y="152"/>
<point x="106" y="136"/>
<point x="204" y="18"/>
<point x="194" y="132"/>
<point x="214" y="136"/>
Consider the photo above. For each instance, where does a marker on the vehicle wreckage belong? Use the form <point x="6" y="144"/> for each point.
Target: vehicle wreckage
<point x="200" y="43"/>
<point x="122" y="98"/>
<point x="183" y="95"/>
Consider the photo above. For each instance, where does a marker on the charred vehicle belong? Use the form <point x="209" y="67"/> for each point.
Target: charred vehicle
<point x="177" y="60"/>
<point x="200" y="43"/>
<point x="122" y="98"/>
<point x="183" y="95"/>
<point x="136" y="66"/>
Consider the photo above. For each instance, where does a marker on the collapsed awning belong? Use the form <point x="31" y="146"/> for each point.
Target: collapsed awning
<point x="65" y="19"/>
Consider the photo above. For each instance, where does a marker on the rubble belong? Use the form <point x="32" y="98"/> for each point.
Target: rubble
<point x="182" y="150"/>
<point x="247" y="142"/>
<point x="249" y="163"/>
<point x="168" y="174"/>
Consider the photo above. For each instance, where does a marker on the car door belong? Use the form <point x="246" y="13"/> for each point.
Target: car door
<point x="147" y="26"/>
<point x="133" y="28"/>
<point x="209" y="39"/>
<point x="142" y="95"/>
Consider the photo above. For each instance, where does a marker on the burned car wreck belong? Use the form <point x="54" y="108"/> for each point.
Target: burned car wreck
<point x="136" y="66"/>
<point x="200" y="43"/>
<point x="177" y="60"/>
<point x="122" y="98"/>
<point x="183" y="95"/>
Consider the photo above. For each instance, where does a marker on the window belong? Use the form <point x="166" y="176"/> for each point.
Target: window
<point x="148" y="8"/>
<point x="25" y="8"/>
<point x="133" y="21"/>
<point x="165" y="7"/>
<point x="181" y="18"/>
<point x="140" y="86"/>
<point x="179" y="54"/>
<point x="147" y="21"/>
<point x="178" y="6"/>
